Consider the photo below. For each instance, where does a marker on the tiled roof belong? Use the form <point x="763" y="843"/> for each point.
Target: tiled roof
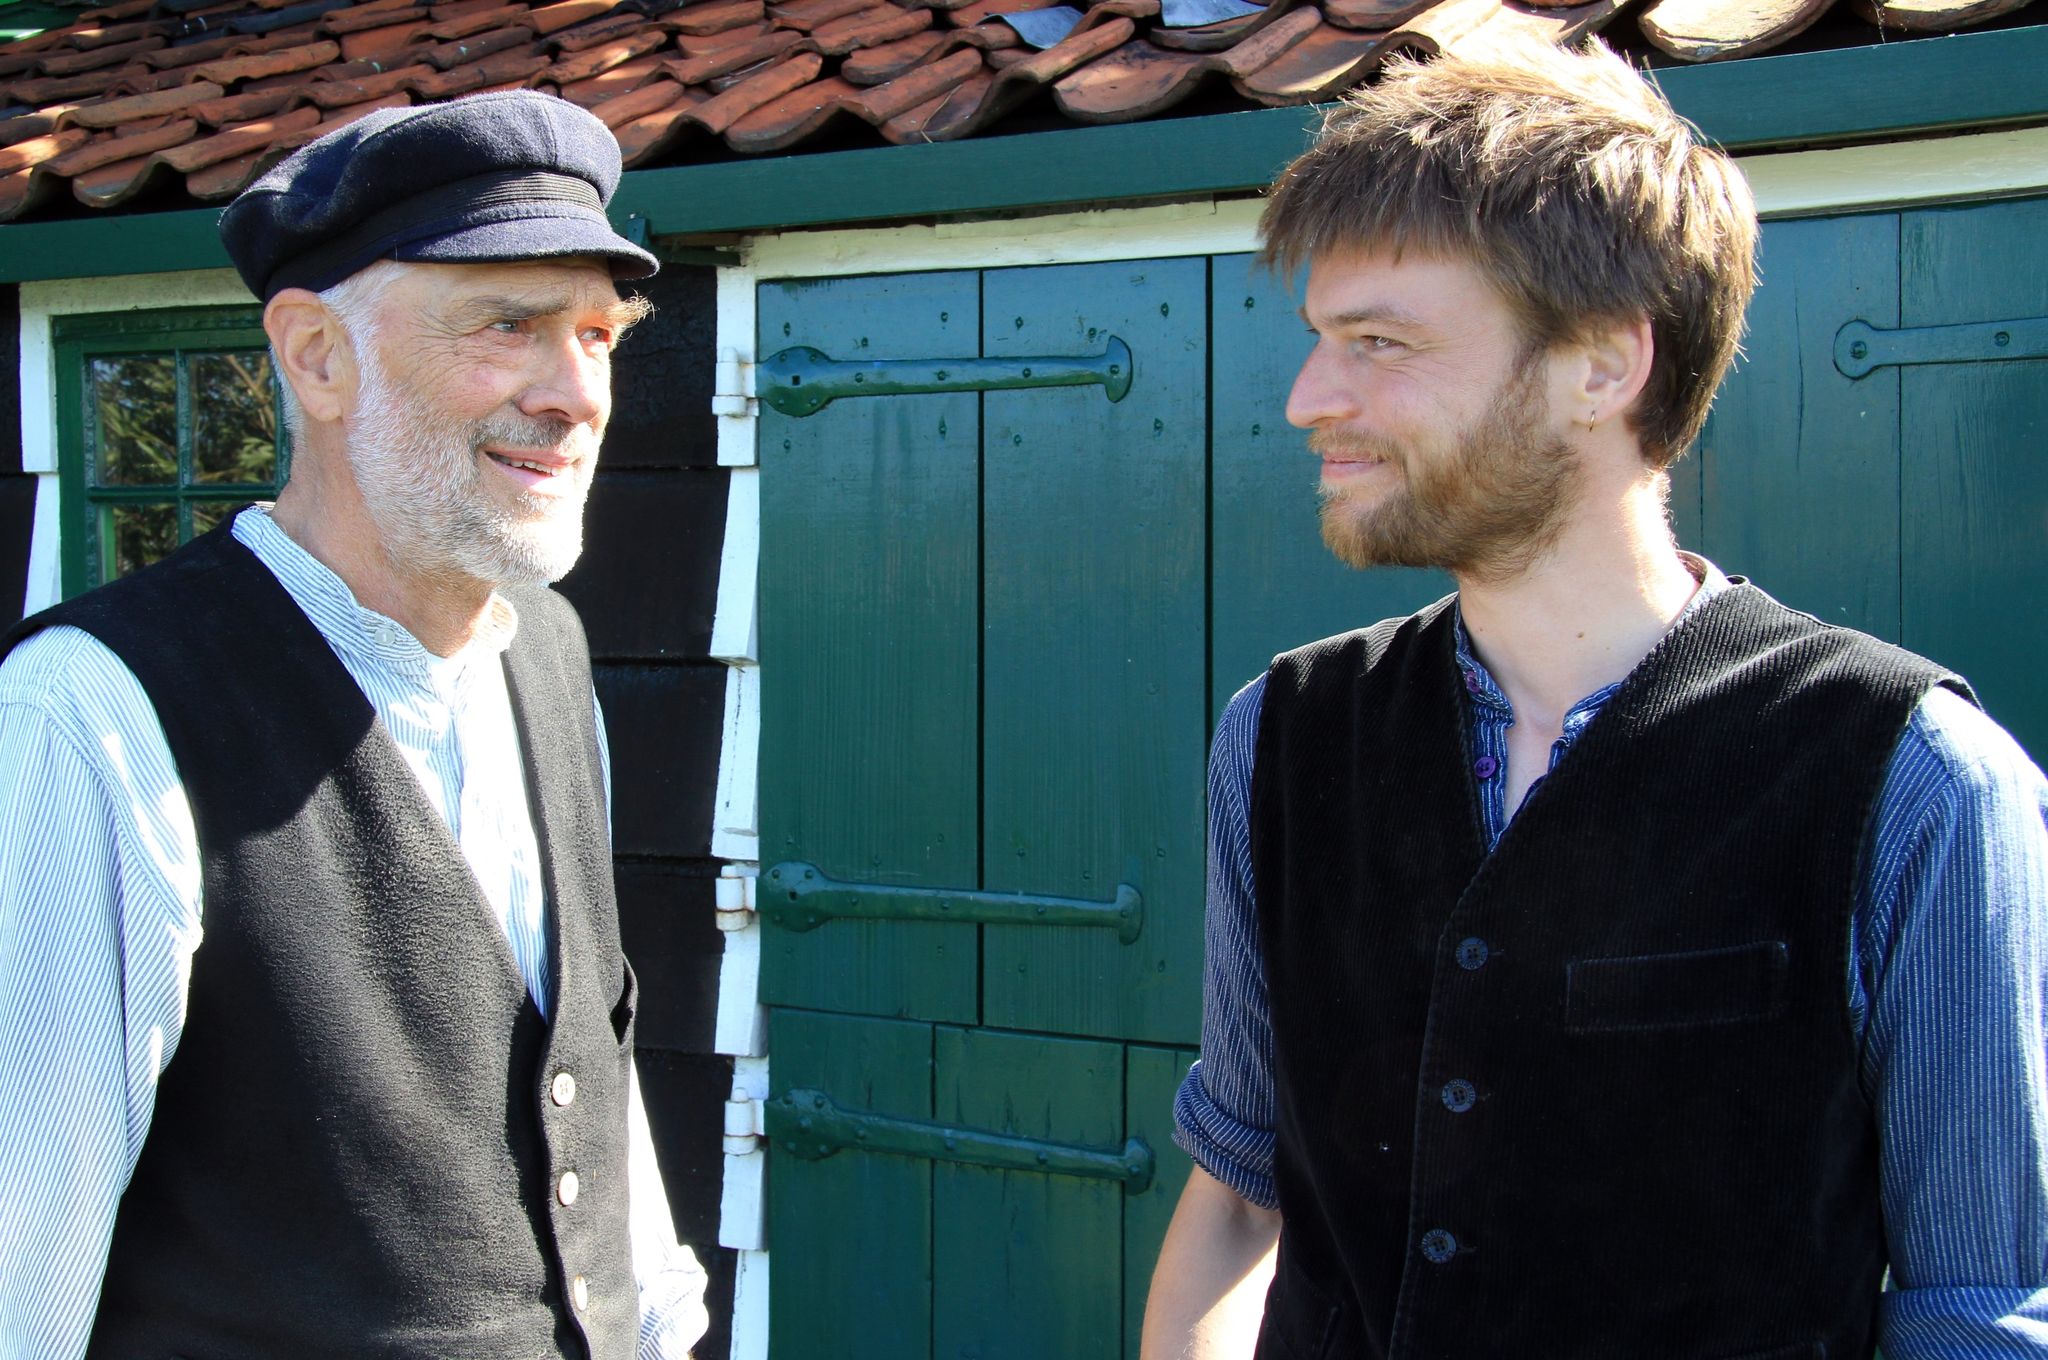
<point x="197" y="97"/>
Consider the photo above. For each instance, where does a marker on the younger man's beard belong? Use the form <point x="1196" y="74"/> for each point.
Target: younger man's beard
<point x="1484" y="509"/>
<point x="420" y="480"/>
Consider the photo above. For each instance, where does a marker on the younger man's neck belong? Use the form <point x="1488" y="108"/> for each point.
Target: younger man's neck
<point x="1581" y="616"/>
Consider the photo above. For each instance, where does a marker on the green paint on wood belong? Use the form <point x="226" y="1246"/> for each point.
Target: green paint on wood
<point x="1801" y="464"/>
<point x="1093" y="720"/>
<point x="851" y="1236"/>
<point x="869" y="585"/>
<point x="1975" y="533"/>
<point x="1151" y="1076"/>
<point x="1025" y="1265"/>
<point x="1274" y="584"/>
<point x="1858" y="93"/>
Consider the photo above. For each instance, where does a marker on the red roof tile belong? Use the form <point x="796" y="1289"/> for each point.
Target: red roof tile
<point x="132" y="99"/>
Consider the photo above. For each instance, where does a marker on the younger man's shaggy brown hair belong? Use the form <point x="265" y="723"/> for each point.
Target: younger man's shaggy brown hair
<point x="1569" y="182"/>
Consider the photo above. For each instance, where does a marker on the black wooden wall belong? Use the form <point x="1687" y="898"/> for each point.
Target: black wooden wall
<point x="17" y="489"/>
<point x="647" y="586"/>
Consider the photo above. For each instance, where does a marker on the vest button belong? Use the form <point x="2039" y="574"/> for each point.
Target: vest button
<point x="1459" y="1095"/>
<point x="1438" y="1246"/>
<point x="562" y="1089"/>
<point x="579" y="1294"/>
<point x="1472" y="954"/>
<point x="567" y="1188"/>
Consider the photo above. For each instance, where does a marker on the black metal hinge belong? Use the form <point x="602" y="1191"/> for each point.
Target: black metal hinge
<point x="802" y="381"/>
<point x="1861" y="347"/>
<point x="810" y="1125"/>
<point x="796" y="896"/>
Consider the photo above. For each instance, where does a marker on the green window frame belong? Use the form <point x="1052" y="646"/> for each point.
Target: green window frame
<point x="168" y="421"/>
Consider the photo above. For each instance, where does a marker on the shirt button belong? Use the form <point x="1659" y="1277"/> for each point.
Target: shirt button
<point x="563" y="1089"/>
<point x="1472" y="681"/>
<point x="1472" y="954"/>
<point x="1458" y="1095"/>
<point x="566" y="1189"/>
<point x="1485" y="766"/>
<point x="1438" y="1246"/>
<point x="579" y="1294"/>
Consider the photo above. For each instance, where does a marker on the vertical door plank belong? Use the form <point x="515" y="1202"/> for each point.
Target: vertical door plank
<point x="1151" y="1076"/>
<point x="1093" y="651"/>
<point x="1025" y="1264"/>
<point x="869" y="593"/>
<point x="1976" y="503"/>
<point x="1800" y="465"/>
<point x="851" y="1234"/>
<point x="1275" y="586"/>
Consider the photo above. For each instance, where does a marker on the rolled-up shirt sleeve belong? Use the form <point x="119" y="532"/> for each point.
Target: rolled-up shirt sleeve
<point x="1223" y="1113"/>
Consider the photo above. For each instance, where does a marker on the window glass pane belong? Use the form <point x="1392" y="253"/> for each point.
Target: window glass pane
<point x="140" y="535"/>
<point x="136" y="400"/>
<point x="206" y="514"/>
<point x="234" y="417"/>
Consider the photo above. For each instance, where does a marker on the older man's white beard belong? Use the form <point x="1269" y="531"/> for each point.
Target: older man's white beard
<point x="420" y="483"/>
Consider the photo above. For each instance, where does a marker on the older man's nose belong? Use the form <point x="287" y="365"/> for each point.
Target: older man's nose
<point x="573" y="384"/>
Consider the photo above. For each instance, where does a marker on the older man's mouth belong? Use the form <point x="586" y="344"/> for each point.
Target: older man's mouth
<point x="535" y="473"/>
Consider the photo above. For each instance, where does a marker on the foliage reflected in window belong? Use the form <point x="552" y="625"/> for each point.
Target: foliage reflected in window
<point x="173" y="425"/>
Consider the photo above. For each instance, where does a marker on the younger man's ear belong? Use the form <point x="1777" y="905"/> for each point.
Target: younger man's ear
<point x="312" y="351"/>
<point x="1618" y="361"/>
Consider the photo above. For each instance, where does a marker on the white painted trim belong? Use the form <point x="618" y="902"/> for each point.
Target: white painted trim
<point x="732" y="627"/>
<point x="1976" y="165"/>
<point x="735" y="337"/>
<point x="741" y="1028"/>
<point x="45" y="568"/>
<point x="1883" y="174"/>
<point x="750" y="1307"/>
<point x="1199" y="227"/>
<point x="135" y="293"/>
<point x="742" y="1208"/>
<point x="733" y="832"/>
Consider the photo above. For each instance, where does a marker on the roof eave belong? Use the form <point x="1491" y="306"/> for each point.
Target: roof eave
<point x="1967" y="80"/>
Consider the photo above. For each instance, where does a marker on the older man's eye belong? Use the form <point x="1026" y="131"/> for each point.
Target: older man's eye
<point x="508" y="326"/>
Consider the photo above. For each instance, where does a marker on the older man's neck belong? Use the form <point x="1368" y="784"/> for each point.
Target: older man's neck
<point x="443" y="611"/>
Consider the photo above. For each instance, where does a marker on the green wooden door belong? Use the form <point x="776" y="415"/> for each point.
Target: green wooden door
<point x="985" y="668"/>
<point x="1912" y="501"/>
<point x="997" y="625"/>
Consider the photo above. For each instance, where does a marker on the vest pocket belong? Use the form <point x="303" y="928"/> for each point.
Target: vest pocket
<point x="622" y="1012"/>
<point x="1300" y="1322"/>
<point x="1673" y="991"/>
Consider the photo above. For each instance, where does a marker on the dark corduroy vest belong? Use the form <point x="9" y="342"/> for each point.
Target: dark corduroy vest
<point x="355" y="1152"/>
<point x="1594" y="1094"/>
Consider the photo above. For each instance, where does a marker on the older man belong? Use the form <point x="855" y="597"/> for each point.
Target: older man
<point x="1606" y="962"/>
<point x="310" y="978"/>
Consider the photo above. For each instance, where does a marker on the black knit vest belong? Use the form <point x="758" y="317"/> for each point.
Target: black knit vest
<point x="354" y="1151"/>
<point x="1594" y="1094"/>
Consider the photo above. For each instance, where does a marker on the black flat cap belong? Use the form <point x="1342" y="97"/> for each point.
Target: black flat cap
<point x="516" y="175"/>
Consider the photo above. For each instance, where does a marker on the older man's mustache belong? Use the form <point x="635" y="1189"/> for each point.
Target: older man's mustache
<point x="532" y="432"/>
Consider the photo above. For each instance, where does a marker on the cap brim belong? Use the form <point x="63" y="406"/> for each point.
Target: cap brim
<point x="541" y="237"/>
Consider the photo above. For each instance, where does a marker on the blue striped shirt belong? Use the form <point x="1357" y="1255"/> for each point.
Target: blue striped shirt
<point x="100" y="914"/>
<point x="1948" y="954"/>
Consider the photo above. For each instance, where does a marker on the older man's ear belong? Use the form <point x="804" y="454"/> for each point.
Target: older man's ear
<point x="312" y="351"/>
